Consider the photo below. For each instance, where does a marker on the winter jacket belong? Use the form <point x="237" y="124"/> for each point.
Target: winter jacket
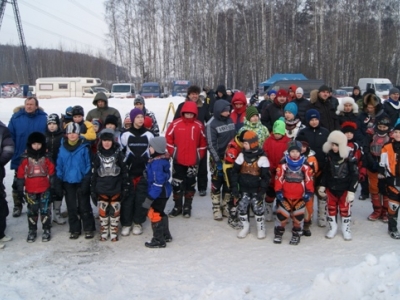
<point x="302" y="106"/>
<point x="351" y="117"/>
<point x="186" y="140"/>
<point x="292" y="87"/>
<point x="392" y="109"/>
<point x="203" y="114"/>
<point x="334" y="102"/>
<point x="21" y="126"/>
<point x="293" y="127"/>
<point x="259" y="128"/>
<point x="158" y="172"/>
<point x="367" y="121"/>
<point x="272" y="113"/>
<point x="238" y="116"/>
<point x="87" y="131"/>
<point x="263" y="105"/>
<point x="219" y="131"/>
<point x="316" y="138"/>
<point x="102" y="113"/>
<point x="7" y="148"/>
<point x="53" y="143"/>
<point x="155" y="130"/>
<point x="222" y="89"/>
<point x="388" y="165"/>
<point x="327" y="112"/>
<point x="274" y="149"/>
<point x="113" y="183"/>
<point x="372" y="147"/>
<point x="73" y="162"/>
<point x="135" y="145"/>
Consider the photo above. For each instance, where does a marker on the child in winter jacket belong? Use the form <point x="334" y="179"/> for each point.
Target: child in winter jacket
<point x="186" y="144"/>
<point x="250" y="177"/>
<point x="158" y="173"/>
<point x="54" y="135"/>
<point x="36" y="174"/>
<point x="238" y="114"/>
<point x="347" y="111"/>
<point x="294" y="188"/>
<point x="86" y="127"/>
<point x="253" y="123"/>
<point x="389" y="168"/>
<point x="109" y="184"/>
<point x="339" y="183"/>
<point x="274" y="147"/>
<point x="292" y="122"/>
<point x="73" y="174"/>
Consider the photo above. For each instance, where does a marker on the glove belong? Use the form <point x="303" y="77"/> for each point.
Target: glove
<point x="219" y="166"/>
<point x="147" y="203"/>
<point x="350" y="197"/>
<point x="94" y="198"/>
<point x="307" y="196"/>
<point x="321" y="192"/>
<point x="279" y="196"/>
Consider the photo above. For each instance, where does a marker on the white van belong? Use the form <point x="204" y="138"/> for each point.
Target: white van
<point x="53" y="87"/>
<point x="123" y="90"/>
<point x="380" y="85"/>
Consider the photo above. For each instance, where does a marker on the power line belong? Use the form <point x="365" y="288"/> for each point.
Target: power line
<point x="86" y="10"/>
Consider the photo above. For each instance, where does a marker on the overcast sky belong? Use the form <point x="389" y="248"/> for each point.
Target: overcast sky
<point x="74" y="24"/>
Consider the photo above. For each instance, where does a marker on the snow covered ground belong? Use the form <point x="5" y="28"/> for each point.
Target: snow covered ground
<point x="205" y="260"/>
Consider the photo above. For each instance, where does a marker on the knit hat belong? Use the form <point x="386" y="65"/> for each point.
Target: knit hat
<point x="96" y="122"/>
<point x="73" y="128"/>
<point x="311" y="114"/>
<point x="148" y="122"/>
<point x="348" y="126"/>
<point x="279" y="127"/>
<point x="77" y="110"/>
<point x="323" y="88"/>
<point x="111" y="119"/>
<point x="303" y="140"/>
<point x="251" y="111"/>
<point x="53" y="118"/>
<point x="138" y="99"/>
<point x="134" y="113"/>
<point x="291" y="107"/>
<point x="36" y="137"/>
<point x="337" y="137"/>
<point x="271" y="92"/>
<point x="252" y="138"/>
<point x="294" y="145"/>
<point x="107" y="134"/>
<point x="281" y="93"/>
<point x="394" y="90"/>
<point x="193" y="89"/>
<point x="299" y="90"/>
<point x="159" y="144"/>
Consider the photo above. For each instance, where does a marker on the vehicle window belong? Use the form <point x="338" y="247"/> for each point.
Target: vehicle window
<point x="46" y="86"/>
<point x="88" y="91"/>
<point x="89" y="80"/>
<point x="381" y="87"/>
<point x="121" y="88"/>
<point x="63" y="86"/>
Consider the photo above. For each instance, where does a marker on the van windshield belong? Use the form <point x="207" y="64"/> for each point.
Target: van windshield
<point x="180" y="88"/>
<point x="150" y="89"/>
<point x="383" y="87"/>
<point x="121" y="88"/>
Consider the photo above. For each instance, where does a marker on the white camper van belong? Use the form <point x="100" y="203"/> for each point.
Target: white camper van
<point x="123" y="90"/>
<point x="380" y="85"/>
<point x="53" y="87"/>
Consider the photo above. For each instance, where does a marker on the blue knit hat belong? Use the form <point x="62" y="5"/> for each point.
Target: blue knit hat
<point x="271" y="92"/>
<point x="311" y="114"/>
<point x="291" y="107"/>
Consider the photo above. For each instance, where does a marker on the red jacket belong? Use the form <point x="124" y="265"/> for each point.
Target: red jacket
<point x="38" y="184"/>
<point x="274" y="149"/>
<point x="239" y="115"/>
<point x="186" y="140"/>
<point x="233" y="150"/>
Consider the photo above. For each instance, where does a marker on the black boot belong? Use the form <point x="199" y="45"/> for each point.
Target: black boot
<point x="296" y="234"/>
<point x="158" y="240"/>
<point x="177" y="210"/>
<point x="306" y="229"/>
<point x="392" y="224"/>
<point x="187" y="207"/>
<point x="278" y="234"/>
<point x="167" y="234"/>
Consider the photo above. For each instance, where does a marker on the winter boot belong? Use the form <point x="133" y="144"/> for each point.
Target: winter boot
<point x="167" y="234"/>
<point x="306" y="229"/>
<point x="187" y="207"/>
<point x="46" y="236"/>
<point x="392" y="226"/>
<point x="158" y="240"/>
<point x="246" y="227"/>
<point x="104" y="228"/>
<point x="376" y="205"/>
<point x="322" y="212"/>
<point x="278" y="231"/>
<point x="17" y="204"/>
<point x="177" y="210"/>
<point x="268" y="211"/>
<point x="216" y="206"/>
<point x="114" y="222"/>
<point x="57" y="217"/>
<point x="296" y="234"/>
<point x="224" y="205"/>
<point x="31" y="236"/>
<point x="384" y="211"/>
<point x="346" y="230"/>
<point x="332" y="227"/>
<point x="260" y="227"/>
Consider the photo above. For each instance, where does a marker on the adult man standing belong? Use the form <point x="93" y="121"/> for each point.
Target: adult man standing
<point x="25" y="120"/>
<point x="302" y="104"/>
<point x="102" y="110"/>
<point x="326" y="109"/>
<point x="392" y="106"/>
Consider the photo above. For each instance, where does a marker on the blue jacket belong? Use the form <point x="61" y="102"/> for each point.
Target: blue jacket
<point x="21" y="126"/>
<point x="73" y="162"/>
<point x="158" y="174"/>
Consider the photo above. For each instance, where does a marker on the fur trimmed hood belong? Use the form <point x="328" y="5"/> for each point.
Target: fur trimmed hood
<point x="339" y="138"/>
<point x="313" y="96"/>
<point x="371" y="99"/>
<point x="18" y="108"/>
<point x="344" y="101"/>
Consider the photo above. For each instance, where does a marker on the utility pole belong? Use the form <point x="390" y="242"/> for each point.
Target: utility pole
<point x="20" y="34"/>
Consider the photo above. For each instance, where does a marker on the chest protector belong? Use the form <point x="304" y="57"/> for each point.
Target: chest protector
<point x="339" y="169"/>
<point x="250" y="168"/>
<point x="294" y="176"/>
<point x="36" y="168"/>
<point x="108" y="165"/>
<point x="377" y="144"/>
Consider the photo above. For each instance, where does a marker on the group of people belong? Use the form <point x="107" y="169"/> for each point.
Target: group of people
<point x="285" y="152"/>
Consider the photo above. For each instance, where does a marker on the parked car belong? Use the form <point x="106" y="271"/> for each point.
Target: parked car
<point x="92" y="91"/>
<point x="339" y="93"/>
<point x="348" y="89"/>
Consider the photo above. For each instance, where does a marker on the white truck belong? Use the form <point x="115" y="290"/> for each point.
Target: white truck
<point x="55" y="87"/>
<point x="123" y="90"/>
<point x="380" y="85"/>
